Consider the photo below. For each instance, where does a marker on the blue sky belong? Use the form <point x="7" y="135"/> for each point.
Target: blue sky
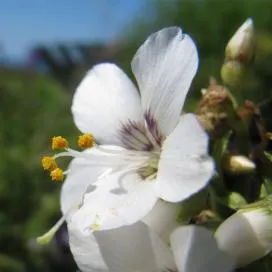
<point x="24" y="23"/>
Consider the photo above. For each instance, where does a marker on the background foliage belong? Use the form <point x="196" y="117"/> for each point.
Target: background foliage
<point x="35" y="107"/>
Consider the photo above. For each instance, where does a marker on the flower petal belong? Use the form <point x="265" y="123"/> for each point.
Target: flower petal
<point x="86" y="251"/>
<point x="195" y="250"/>
<point x="105" y="99"/>
<point x="121" y="198"/>
<point x="169" y="212"/>
<point x="164" y="67"/>
<point x="184" y="167"/>
<point x="81" y="174"/>
<point x="246" y="236"/>
<point x="134" y="248"/>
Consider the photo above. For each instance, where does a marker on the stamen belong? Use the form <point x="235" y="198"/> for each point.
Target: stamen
<point x="49" y="163"/>
<point x="132" y="153"/>
<point x="57" y="174"/>
<point x="94" y="159"/>
<point x="67" y="153"/>
<point x="85" y="141"/>
<point x="116" y="156"/>
<point x="59" y="142"/>
<point x="113" y="158"/>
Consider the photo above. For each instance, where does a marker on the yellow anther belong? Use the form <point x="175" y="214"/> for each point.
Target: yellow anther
<point x="48" y="163"/>
<point x="57" y="175"/>
<point x="85" y="141"/>
<point x="59" y="142"/>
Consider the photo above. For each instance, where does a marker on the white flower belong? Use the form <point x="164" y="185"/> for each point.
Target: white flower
<point x="148" y="152"/>
<point x="135" y="248"/>
<point x="246" y="236"/>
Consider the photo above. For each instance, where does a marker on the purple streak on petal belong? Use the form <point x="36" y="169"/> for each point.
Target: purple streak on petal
<point x="153" y="127"/>
<point x="133" y="136"/>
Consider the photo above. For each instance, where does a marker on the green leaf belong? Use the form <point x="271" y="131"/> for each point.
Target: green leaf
<point x="235" y="200"/>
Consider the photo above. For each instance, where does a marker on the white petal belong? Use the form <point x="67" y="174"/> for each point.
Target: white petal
<point x="105" y="99"/>
<point x="163" y="218"/>
<point x="120" y="199"/>
<point x="81" y="175"/>
<point x="195" y="250"/>
<point x="261" y="222"/>
<point x="163" y="254"/>
<point x="246" y="236"/>
<point x="86" y="251"/>
<point x="164" y="67"/>
<point x="133" y="248"/>
<point x="184" y="167"/>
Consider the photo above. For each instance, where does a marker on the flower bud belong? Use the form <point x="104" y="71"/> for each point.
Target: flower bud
<point x="233" y="72"/>
<point x="247" y="235"/>
<point x="238" y="164"/>
<point x="242" y="44"/>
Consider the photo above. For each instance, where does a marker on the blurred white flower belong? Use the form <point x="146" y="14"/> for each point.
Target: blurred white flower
<point x="247" y="235"/>
<point x="148" y="152"/>
<point x="135" y="248"/>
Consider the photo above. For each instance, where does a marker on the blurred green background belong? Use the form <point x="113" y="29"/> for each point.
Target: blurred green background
<point x="36" y="97"/>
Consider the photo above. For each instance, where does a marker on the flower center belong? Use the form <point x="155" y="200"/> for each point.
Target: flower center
<point x="147" y="137"/>
<point x="149" y="171"/>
